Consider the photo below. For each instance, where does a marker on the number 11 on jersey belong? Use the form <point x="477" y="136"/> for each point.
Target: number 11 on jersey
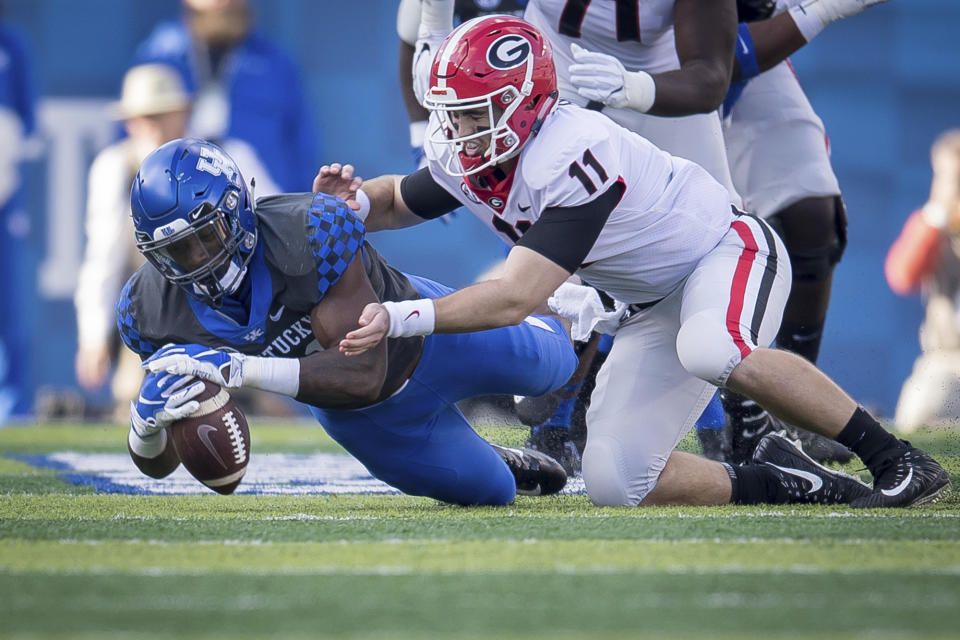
<point x="578" y="172"/>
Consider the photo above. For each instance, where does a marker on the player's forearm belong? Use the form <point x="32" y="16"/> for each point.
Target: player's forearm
<point x="155" y="455"/>
<point x="330" y="380"/>
<point x="485" y="305"/>
<point x="705" y="33"/>
<point x="698" y="88"/>
<point x="768" y="43"/>
<point x="387" y="210"/>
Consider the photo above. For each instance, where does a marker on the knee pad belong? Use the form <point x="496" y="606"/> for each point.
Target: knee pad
<point x="815" y="233"/>
<point x="704" y="353"/>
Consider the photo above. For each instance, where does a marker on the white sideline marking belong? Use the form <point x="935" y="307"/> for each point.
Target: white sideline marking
<point x="267" y="474"/>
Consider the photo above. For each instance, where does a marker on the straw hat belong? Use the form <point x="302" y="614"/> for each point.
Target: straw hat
<point x="149" y="89"/>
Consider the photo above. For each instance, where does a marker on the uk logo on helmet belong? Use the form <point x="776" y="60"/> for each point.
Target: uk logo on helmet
<point x="508" y="51"/>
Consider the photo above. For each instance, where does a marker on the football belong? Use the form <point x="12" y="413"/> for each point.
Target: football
<point x="214" y="442"/>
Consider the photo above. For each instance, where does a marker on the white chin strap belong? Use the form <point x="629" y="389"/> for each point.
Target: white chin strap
<point x="233" y="277"/>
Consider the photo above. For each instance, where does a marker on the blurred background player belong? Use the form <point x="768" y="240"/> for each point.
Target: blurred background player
<point x="276" y="284"/>
<point x="154" y="108"/>
<point x="17" y="121"/>
<point x="926" y="258"/>
<point x="244" y="86"/>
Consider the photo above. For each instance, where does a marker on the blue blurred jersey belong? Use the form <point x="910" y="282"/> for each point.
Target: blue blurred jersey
<point x="267" y="104"/>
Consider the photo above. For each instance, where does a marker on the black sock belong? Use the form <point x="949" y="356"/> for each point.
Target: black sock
<point x="865" y="437"/>
<point x="802" y="339"/>
<point x="755" y="484"/>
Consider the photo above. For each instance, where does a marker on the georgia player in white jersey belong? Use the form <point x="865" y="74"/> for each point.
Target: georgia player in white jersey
<point x="775" y="144"/>
<point x="706" y="286"/>
<point x="692" y="42"/>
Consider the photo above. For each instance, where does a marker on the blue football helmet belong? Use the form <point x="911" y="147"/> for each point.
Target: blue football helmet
<point x="194" y="218"/>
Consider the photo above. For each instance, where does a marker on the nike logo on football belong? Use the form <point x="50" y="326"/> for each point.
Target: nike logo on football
<point x="203" y="432"/>
<point x="524" y="209"/>
<point x="276" y="316"/>
<point x="897" y="490"/>
<point x="412" y="314"/>
<point x="815" y="481"/>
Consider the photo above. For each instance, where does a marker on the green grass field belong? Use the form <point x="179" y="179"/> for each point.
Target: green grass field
<point x="80" y="564"/>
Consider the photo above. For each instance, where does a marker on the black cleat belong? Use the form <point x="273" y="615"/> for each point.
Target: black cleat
<point x="802" y="478"/>
<point x="820" y="448"/>
<point x="556" y="442"/>
<point x="908" y="478"/>
<point x="536" y="474"/>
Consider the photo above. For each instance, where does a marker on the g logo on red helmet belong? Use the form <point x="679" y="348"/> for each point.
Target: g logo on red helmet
<point x="508" y="51"/>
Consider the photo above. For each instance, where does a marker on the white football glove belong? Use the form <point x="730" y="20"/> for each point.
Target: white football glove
<point x="436" y="21"/>
<point x="582" y="306"/>
<point x="228" y="369"/>
<point x="224" y="368"/>
<point x="602" y="78"/>
<point x="812" y="16"/>
<point x="163" y="399"/>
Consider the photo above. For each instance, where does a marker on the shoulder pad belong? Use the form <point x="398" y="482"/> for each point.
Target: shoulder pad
<point x="336" y="235"/>
<point x="560" y="142"/>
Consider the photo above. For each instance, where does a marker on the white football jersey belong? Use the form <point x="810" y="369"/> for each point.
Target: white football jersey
<point x="639" y="33"/>
<point x="670" y="215"/>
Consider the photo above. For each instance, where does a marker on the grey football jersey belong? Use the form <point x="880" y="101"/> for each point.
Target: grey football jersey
<point x="306" y="243"/>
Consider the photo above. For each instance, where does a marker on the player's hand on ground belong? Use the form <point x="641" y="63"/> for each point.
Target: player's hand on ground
<point x="220" y="367"/>
<point x="374" y="323"/>
<point x="164" y="398"/>
<point x="338" y="180"/>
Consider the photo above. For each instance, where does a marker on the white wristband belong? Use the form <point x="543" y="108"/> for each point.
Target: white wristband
<point x="149" y="447"/>
<point x="278" y="375"/>
<point x="364" y="201"/>
<point x="411" y="317"/>
<point x="807" y="19"/>
<point x="641" y="90"/>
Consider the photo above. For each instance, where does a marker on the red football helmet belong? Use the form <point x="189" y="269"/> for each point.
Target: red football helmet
<point x="503" y="64"/>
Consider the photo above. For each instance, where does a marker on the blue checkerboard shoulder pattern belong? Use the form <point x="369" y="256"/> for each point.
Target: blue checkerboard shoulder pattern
<point x="127" y="325"/>
<point x="336" y="235"/>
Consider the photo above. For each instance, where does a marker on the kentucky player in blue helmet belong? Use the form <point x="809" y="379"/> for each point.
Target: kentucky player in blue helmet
<point x="255" y="294"/>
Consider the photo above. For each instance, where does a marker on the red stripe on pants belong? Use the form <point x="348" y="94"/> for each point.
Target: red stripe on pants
<point x="738" y="289"/>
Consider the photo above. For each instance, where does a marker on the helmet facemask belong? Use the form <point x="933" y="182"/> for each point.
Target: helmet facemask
<point x="206" y="255"/>
<point x="503" y="144"/>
